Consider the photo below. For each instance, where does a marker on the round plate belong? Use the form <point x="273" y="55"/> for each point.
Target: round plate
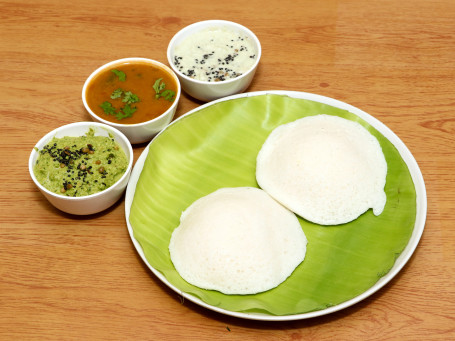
<point x="403" y="257"/>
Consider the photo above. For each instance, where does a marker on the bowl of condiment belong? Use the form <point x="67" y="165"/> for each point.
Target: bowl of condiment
<point x="82" y="168"/>
<point x="214" y="58"/>
<point x="137" y="96"/>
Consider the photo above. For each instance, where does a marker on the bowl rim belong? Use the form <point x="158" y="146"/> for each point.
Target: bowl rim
<point x="46" y="138"/>
<point x="200" y="25"/>
<point x="126" y="60"/>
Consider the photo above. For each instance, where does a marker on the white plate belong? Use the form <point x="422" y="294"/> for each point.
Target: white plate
<point x="421" y="209"/>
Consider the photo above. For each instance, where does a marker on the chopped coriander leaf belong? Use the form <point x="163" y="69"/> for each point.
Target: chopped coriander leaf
<point x="120" y="74"/>
<point x="117" y="93"/>
<point x="129" y="98"/>
<point x="108" y="108"/>
<point x="127" y="111"/>
<point x="168" y="95"/>
<point x="120" y="115"/>
<point x="158" y="86"/>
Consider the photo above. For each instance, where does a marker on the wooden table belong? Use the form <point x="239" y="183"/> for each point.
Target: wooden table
<point x="64" y="277"/>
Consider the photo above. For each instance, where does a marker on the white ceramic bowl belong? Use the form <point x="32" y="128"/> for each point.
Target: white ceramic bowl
<point x="139" y="132"/>
<point x="205" y="90"/>
<point x="93" y="203"/>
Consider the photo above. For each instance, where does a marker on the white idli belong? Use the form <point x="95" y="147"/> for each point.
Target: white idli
<point x="327" y="169"/>
<point x="237" y="241"/>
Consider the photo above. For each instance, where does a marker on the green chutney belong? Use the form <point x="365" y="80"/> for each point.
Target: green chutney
<point x="80" y="166"/>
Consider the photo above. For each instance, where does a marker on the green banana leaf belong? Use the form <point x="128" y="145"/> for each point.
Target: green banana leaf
<point x="217" y="147"/>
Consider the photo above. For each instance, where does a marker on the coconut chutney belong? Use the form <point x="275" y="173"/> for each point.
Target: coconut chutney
<point x="215" y="54"/>
<point x="80" y="166"/>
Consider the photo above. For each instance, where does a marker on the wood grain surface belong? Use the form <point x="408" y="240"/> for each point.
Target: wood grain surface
<point x="80" y="278"/>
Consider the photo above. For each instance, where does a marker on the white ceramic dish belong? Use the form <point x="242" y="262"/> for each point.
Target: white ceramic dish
<point x="421" y="209"/>
<point x="139" y="132"/>
<point x="89" y="204"/>
<point x="209" y="91"/>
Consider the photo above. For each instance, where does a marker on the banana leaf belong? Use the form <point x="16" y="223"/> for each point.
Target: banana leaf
<point x="216" y="147"/>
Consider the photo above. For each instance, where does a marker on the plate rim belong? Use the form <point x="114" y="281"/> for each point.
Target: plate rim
<point x="405" y="153"/>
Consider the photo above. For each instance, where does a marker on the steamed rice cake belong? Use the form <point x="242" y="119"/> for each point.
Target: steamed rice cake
<point x="237" y="241"/>
<point x="327" y="169"/>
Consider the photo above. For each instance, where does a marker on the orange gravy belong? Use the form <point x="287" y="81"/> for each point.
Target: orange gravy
<point x="140" y="78"/>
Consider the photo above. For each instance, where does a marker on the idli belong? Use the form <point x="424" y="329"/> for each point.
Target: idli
<point x="327" y="169"/>
<point x="237" y="241"/>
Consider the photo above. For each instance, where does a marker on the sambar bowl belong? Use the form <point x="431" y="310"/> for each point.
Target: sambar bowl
<point x="138" y="96"/>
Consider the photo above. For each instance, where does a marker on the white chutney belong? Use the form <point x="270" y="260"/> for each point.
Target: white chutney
<point x="215" y="55"/>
